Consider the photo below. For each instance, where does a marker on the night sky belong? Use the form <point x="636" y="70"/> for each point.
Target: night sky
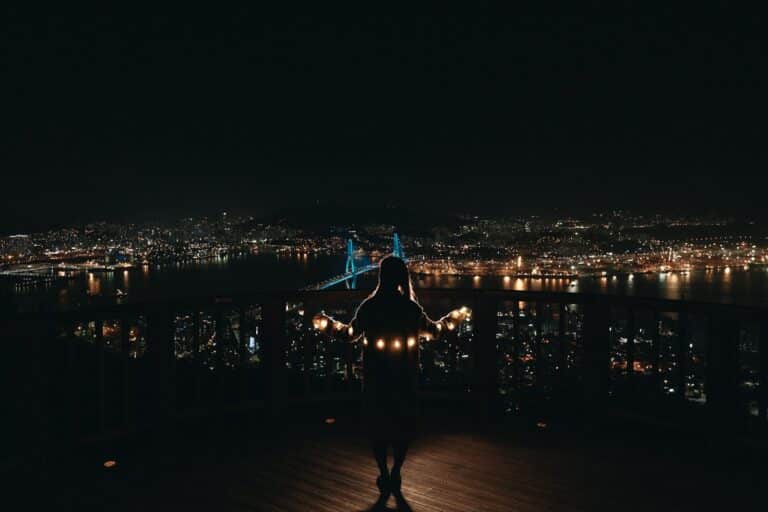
<point x="135" y="114"/>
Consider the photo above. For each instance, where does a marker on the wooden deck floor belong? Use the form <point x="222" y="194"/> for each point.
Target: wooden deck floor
<point x="326" y="468"/>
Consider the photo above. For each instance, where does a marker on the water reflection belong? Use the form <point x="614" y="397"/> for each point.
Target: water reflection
<point x="270" y="271"/>
<point x="94" y="284"/>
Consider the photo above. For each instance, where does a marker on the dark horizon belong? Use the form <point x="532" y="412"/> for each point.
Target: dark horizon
<point x="39" y="204"/>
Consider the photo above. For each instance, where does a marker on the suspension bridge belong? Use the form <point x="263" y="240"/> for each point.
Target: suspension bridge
<point x="351" y="270"/>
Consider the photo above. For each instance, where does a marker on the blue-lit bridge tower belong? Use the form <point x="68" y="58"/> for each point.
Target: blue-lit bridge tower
<point x="351" y="271"/>
<point x="397" y="248"/>
<point x="350" y="266"/>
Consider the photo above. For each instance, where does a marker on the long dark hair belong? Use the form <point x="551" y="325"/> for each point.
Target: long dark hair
<point x="394" y="278"/>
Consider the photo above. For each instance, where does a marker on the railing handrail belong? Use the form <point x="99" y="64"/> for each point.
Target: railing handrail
<point x="297" y="295"/>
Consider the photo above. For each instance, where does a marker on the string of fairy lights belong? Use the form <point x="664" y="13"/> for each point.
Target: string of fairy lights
<point x="328" y="325"/>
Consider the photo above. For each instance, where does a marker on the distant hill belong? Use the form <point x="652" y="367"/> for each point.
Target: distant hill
<point x="322" y="217"/>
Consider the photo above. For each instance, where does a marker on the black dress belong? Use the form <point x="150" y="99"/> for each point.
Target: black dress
<point x="390" y="324"/>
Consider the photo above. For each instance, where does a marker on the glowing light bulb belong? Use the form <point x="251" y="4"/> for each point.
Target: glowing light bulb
<point x="323" y="323"/>
<point x="455" y="313"/>
<point x="397" y="344"/>
<point x="365" y="342"/>
<point x="411" y="341"/>
<point x="439" y="327"/>
<point x="338" y="325"/>
<point x="464" y="309"/>
<point x="351" y="330"/>
<point x="451" y="326"/>
<point x="380" y="344"/>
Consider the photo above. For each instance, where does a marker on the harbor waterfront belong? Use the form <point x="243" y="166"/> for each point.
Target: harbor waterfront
<point x="235" y="274"/>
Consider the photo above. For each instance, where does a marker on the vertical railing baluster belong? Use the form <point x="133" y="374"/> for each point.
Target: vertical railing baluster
<point x="722" y="396"/>
<point x="242" y="357"/>
<point x="306" y="374"/>
<point x="220" y="345"/>
<point x="562" y="353"/>
<point x="537" y="349"/>
<point x="328" y="364"/>
<point x="517" y="377"/>
<point x="196" y="358"/>
<point x="596" y="358"/>
<point x="101" y="390"/>
<point x="349" y="354"/>
<point x="631" y="348"/>
<point x="128" y="378"/>
<point x="73" y="406"/>
<point x="656" y="351"/>
<point x="764" y="370"/>
<point x="485" y="374"/>
<point x="273" y="319"/>
<point x="220" y="378"/>
<point x="161" y="360"/>
<point x="682" y="377"/>
<point x="452" y="338"/>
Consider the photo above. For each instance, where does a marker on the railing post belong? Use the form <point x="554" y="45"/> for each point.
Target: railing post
<point x="242" y="357"/>
<point x="100" y="377"/>
<point x="631" y="349"/>
<point x="274" y="352"/>
<point x="684" y="354"/>
<point x="764" y="370"/>
<point x="722" y="394"/>
<point x="537" y="349"/>
<point x="596" y="359"/>
<point x="517" y="376"/>
<point x="198" y="365"/>
<point x="129" y="381"/>
<point x="485" y="381"/>
<point x="562" y="353"/>
<point x="160" y="361"/>
<point x="656" y="352"/>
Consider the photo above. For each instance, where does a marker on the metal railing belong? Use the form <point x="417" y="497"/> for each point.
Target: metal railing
<point x="106" y="370"/>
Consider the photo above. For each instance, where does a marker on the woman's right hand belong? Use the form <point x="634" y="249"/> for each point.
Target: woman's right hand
<point x="327" y="324"/>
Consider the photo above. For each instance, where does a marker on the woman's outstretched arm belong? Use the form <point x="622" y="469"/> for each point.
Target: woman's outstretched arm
<point x="327" y="324"/>
<point x="433" y="329"/>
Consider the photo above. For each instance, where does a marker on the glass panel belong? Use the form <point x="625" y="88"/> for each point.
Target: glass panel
<point x="85" y="331"/>
<point x="137" y="337"/>
<point x="446" y="362"/>
<point x="669" y="353"/>
<point x="184" y="334"/>
<point x="749" y="367"/>
<point x="619" y="350"/>
<point x="111" y="333"/>
<point x="646" y="333"/>
<point x="207" y="350"/>
<point x="696" y="362"/>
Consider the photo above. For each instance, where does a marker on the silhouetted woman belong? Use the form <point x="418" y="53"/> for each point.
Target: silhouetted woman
<point x="391" y="322"/>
